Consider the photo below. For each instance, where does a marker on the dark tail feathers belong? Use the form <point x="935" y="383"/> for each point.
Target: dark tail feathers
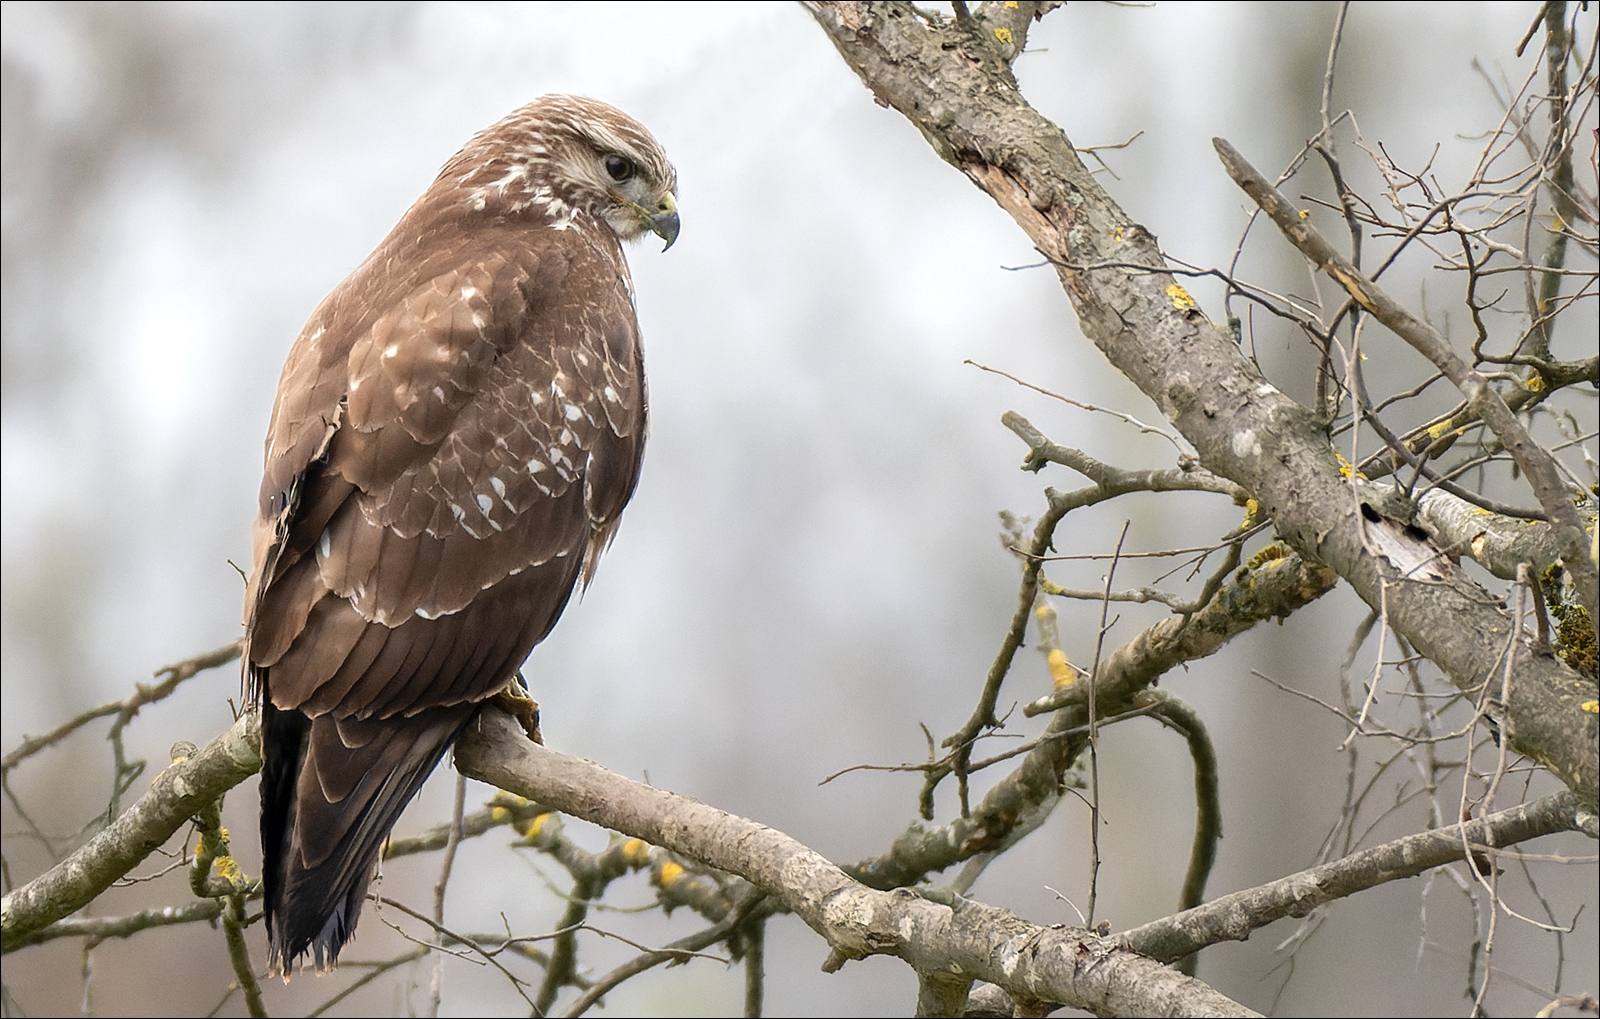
<point x="329" y="798"/>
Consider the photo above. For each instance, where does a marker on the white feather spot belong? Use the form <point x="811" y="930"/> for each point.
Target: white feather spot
<point x="535" y="466"/>
<point x="477" y="321"/>
<point x="391" y="350"/>
<point x="583" y="359"/>
<point x="515" y="173"/>
<point x="566" y="437"/>
<point x="536" y="396"/>
<point x="469" y="292"/>
<point x="611" y="394"/>
<point x="485" y="504"/>
<point x="324" y="545"/>
<point x="498" y="486"/>
<point x="438" y="394"/>
<point x="458" y="512"/>
<point x="355" y="384"/>
<point x="572" y="412"/>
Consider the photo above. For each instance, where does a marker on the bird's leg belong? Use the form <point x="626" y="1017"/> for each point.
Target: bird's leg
<point x="517" y="703"/>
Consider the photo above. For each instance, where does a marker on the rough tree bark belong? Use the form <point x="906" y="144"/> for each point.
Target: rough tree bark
<point x="952" y="80"/>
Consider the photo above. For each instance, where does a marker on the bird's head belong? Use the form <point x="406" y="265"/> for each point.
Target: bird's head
<point x="565" y="154"/>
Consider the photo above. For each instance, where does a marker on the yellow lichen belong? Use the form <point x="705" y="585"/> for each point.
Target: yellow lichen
<point x="670" y="872"/>
<point x="499" y="814"/>
<point x="1305" y="214"/>
<point x="1180" y="297"/>
<point x="530" y="829"/>
<point x="228" y="870"/>
<point x="1003" y="34"/>
<point x="1346" y="468"/>
<point x="1575" y="641"/>
<point x="1276" y="550"/>
<point x="636" y="852"/>
<point x="1061" y="673"/>
<point x="1590" y="707"/>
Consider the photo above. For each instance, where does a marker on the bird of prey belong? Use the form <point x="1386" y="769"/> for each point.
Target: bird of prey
<point x="455" y="433"/>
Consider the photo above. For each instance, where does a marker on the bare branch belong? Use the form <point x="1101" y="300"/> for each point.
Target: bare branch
<point x="1242" y="427"/>
<point x="1068" y="966"/>
<point x="175" y="796"/>
<point x="1233" y="917"/>
<point x="1551" y="490"/>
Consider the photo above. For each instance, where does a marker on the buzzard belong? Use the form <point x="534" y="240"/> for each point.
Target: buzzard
<point x="455" y="434"/>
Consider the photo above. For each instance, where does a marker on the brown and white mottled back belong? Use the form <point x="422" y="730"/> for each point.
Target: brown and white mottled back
<point x="456" y="432"/>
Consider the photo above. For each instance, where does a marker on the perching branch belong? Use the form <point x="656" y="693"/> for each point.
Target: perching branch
<point x="1072" y="967"/>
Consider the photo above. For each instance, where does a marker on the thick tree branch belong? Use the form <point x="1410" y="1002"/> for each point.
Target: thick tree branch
<point x="175" y="796"/>
<point x="1497" y="543"/>
<point x="1072" y="967"/>
<point x="1552" y="491"/>
<point x="1149" y="327"/>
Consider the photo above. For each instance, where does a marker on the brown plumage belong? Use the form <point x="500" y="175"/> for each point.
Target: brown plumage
<point x="456" y="431"/>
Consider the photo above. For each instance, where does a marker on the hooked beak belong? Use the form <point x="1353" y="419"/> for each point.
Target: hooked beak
<point x="664" y="223"/>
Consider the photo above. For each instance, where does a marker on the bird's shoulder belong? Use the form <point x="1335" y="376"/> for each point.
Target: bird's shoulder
<point x="441" y="313"/>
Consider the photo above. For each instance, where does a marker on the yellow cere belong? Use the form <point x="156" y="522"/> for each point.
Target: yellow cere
<point x="670" y="872"/>
<point x="1180" y="297"/>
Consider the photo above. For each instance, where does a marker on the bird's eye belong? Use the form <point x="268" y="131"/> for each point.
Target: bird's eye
<point x="619" y="168"/>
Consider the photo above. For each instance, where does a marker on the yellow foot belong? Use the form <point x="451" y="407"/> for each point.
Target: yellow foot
<point x="515" y="700"/>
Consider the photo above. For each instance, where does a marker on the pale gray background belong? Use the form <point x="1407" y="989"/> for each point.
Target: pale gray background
<point x="811" y="564"/>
